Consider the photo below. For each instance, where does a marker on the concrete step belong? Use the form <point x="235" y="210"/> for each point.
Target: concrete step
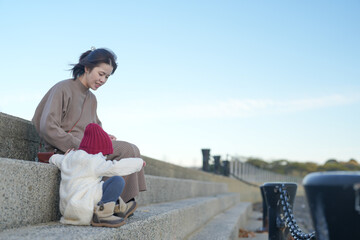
<point x="171" y="220"/>
<point x="29" y="192"/>
<point x="252" y="225"/>
<point x="225" y="225"/>
<point x="164" y="189"/>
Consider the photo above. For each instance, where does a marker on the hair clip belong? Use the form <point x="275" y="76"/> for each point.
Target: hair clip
<point x="93" y="48"/>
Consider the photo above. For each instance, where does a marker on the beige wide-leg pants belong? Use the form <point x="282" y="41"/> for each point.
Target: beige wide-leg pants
<point x="134" y="183"/>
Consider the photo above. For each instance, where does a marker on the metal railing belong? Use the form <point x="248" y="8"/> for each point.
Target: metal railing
<point x="237" y="168"/>
<point x="249" y="173"/>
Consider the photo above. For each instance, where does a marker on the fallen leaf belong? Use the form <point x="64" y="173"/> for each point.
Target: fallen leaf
<point x="245" y="233"/>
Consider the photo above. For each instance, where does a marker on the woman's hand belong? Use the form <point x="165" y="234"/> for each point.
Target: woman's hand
<point x="112" y="137"/>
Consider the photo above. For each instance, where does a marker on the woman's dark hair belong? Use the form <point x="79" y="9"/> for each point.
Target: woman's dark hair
<point x="93" y="58"/>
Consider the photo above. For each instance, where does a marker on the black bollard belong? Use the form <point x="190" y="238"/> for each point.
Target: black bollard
<point x="217" y="164"/>
<point x="226" y="168"/>
<point x="277" y="229"/>
<point x="206" y="156"/>
<point x="265" y="218"/>
<point x="334" y="199"/>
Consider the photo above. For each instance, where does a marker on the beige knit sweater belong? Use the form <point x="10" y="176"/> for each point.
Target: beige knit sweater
<point x="60" y="109"/>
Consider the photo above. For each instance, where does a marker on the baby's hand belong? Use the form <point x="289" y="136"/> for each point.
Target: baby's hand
<point x="68" y="151"/>
<point x="112" y="137"/>
<point x="144" y="163"/>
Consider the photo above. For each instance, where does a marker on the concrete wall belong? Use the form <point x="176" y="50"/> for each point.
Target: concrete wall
<point x="18" y="138"/>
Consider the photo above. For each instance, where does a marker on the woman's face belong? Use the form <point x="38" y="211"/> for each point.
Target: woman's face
<point x="97" y="76"/>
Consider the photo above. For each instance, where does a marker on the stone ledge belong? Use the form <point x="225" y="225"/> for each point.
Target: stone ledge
<point x="174" y="220"/>
<point x="29" y="192"/>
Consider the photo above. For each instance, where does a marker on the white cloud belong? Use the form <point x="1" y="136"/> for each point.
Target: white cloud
<point x="26" y="102"/>
<point x="238" y="108"/>
<point x="232" y="108"/>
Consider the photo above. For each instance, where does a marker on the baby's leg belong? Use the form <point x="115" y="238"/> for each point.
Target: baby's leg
<point x="104" y="211"/>
<point x="112" y="189"/>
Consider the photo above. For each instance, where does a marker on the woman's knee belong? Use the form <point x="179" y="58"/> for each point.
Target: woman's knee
<point x="124" y="150"/>
<point x="136" y="150"/>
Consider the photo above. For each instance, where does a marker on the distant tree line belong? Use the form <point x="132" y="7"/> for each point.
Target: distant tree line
<point x="301" y="169"/>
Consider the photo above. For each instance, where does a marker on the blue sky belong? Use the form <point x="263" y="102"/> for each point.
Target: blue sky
<point x="268" y="79"/>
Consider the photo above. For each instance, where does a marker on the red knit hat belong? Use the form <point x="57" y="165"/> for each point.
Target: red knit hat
<point x="96" y="140"/>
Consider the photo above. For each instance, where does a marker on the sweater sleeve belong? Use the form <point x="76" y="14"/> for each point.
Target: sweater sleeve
<point x="56" y="160"/>
<point x="50" y="121"/>
<point x="123" y="167"/>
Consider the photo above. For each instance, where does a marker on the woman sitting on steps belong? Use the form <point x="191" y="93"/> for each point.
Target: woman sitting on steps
<point x="69" y="106"/>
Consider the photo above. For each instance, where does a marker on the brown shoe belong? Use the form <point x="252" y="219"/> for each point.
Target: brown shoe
<point x="124" y="210"/>
<point x="103" y="216"/>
